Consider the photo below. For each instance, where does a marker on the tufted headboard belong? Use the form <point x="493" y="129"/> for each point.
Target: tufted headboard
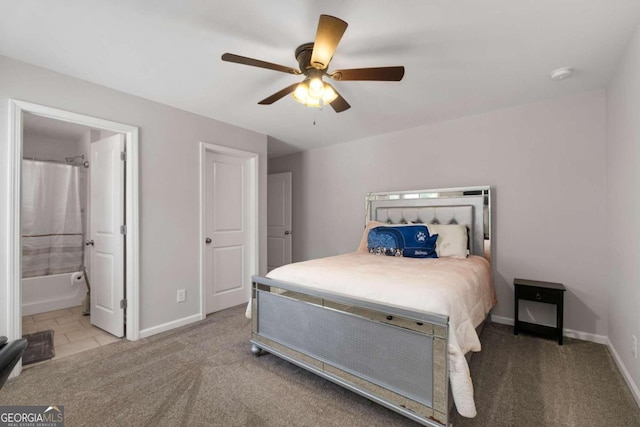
<point x="468" y="206"/>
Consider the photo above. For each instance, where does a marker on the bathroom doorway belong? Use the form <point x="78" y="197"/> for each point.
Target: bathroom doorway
<point x="74" y="224"/>
<point x="57" y="240"/>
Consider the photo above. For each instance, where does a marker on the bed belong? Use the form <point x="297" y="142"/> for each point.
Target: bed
<point x="393" y="329"/>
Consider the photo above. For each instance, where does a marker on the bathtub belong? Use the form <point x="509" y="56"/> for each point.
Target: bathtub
<point x="55" y="292"/>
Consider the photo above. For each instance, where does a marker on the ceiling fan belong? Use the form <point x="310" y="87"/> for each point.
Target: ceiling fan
<point x="313" y="59"/>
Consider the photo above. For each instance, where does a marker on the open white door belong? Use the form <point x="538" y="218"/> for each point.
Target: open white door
<point x="278" y="220"/>
<point x="106" y="234"/>
<point x="227" y="235"/>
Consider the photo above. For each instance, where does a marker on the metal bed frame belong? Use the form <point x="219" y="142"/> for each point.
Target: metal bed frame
<point x="391" y="355"/>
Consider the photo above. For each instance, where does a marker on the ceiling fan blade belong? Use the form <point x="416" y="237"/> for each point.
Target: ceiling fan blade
<point x="230" y="57"/>
<point x="280" y="94"/>
<point x="339" y="104"/>
<point x="394" y="74"/>
<point x="328" y="35"/>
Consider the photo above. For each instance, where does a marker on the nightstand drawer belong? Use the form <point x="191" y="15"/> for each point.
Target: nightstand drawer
<point x="541" y="295"/>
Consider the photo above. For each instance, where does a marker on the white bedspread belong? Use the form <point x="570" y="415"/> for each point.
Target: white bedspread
<point x="460" y="288"/>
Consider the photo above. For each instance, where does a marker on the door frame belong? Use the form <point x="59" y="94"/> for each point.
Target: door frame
<point x="17" y="109"/>
<point x="254" y="237"/>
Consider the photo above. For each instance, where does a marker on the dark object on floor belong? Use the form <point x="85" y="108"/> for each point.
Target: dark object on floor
<point x="9" y="355"/>
<point x="86" y="303"/>
<point x="40" y="347"/>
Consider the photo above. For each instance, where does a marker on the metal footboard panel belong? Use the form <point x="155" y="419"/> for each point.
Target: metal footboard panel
<point x="394" y="356"/>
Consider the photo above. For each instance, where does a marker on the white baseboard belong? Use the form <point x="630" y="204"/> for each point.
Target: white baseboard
<point x="502" y="320"/>
<point x="144" y="333"/>
<point x="625" y="374"/>
<point x="586" y="336"/>
<point x="571" y="333"/>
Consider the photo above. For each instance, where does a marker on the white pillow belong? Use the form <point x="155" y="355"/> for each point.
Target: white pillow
<point x="452" y="239"/>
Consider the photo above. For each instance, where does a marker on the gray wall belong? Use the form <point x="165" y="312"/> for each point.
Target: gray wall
<point x="545" y="162"/>
<point x="169" y="180"/>
<point x="623" y="229"/>
<point x="38" y="146"/>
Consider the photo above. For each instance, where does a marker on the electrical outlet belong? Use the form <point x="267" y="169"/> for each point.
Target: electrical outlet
<point x="634" y="346"/>
<point x="182" y="295"/>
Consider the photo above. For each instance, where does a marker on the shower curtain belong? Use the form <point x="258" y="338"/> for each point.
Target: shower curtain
<point x="51" y="219"/>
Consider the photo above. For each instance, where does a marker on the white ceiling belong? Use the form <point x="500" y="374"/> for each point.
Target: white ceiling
<point x="462" y="57"/>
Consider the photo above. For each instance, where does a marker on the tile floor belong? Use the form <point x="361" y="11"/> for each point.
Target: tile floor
<point x="73" y="332"/>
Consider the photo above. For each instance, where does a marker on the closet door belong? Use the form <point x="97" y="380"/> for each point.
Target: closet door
<point x="278" y="220"/>
<point x="106" y="238"/>
<point x="227" y="219"/>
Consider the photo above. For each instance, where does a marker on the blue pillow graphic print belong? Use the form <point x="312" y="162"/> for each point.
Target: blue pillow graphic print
<point x="412" y="235"/>
<point x="426" y="248"/>
<point x="411" y="241"/>
<point x="385" y="241"/>
<point x="421" y="236"/>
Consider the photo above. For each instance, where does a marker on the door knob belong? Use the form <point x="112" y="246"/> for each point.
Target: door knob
<point x="207" y="240"/>
<point x="89" y="242"/>
<point x="286" y="233"/>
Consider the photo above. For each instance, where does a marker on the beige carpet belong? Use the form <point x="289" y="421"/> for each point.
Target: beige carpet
<point x="529" y="381"/>
<point x="204" y="374"/>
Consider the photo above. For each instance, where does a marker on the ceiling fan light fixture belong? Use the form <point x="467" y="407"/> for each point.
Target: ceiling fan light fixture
<point x="329" y="95"/>
<point x="301" y="93"/>
<point x="313" y="102"/>
<point x="316" y="87"/>
<point x="313" y="60"/>
<point x="314" y="93"/>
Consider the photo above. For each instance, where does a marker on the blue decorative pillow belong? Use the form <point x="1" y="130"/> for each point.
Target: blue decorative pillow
<point x="426" y="250"/>
<point x="410" y="241"/>
<point x="385" y="241"/>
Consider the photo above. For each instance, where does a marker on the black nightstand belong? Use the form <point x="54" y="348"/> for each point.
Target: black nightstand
<point x="547" y="292"/>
